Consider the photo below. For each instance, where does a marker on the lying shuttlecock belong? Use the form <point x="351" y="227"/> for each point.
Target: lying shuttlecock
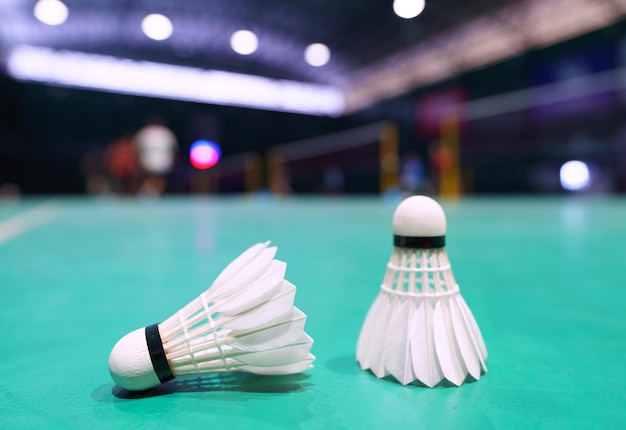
<point x="244" y="322"/>
<point x="419" y="328"/>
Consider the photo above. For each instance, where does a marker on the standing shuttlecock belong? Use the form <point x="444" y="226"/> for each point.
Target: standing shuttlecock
<point x="419" y="328"/>
<point x="244" y="322"/>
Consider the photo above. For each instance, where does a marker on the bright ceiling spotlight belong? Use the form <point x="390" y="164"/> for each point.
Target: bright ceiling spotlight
<point x="244" y="42"/>
<point x="575" y="176"/>
<point x="408" y="8"/>
<point x="317" y="54"/>
<point x="157" y="26"/>
<point x="51" y="12"/>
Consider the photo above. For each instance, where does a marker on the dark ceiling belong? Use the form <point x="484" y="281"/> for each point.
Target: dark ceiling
<point x="375" y="55"/>
<point x="359" y="33"/>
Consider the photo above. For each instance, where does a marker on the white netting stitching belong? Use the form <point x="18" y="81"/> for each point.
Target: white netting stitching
<point x="207" y="310"/>
<point x="419" y="273"/>
<point x="187" y="340"/>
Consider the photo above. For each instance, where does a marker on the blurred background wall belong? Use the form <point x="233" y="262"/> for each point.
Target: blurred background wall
<point x="507" y="127"/>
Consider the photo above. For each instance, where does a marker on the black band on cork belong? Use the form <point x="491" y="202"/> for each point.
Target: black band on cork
<point x="419" y="241"/>
<point x="157" y="354"/>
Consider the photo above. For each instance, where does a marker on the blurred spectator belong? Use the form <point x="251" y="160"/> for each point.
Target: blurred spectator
<point x="334" y="180"/>
<point x="9" y="192"/>
<point x="412" y="176"/>
<point x="122" y="165"/>
<point x="96" y="182"/>
<point x="441" y="161"/>
<point x="157" y="147"/>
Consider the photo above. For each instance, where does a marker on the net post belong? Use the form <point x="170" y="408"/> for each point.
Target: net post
<point x="276" y="173"/>
<point x="252" y="173"/>
<point x="449" y="172"/>
<point x="202" y="181"/>
<point x="388" y="156"/>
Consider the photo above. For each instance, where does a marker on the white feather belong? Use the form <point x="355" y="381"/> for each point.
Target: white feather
<point x="236" y="266"/>
<point x="289" y="369"/>
<point x="367" y="332"/>
<point x="281" y="356"/>
<point x="273" y="335"/>
<point x="376" y="349"/>
<point x="471" y="322"/>
<point x="425" y="364"/>
<point x="445" y="346"/>
<point x="256" y="291"/>
<point x="250" y="272"/>
<point x="397" y="345"/>
<point x="469" y="353"/>
<point x="276" y="307"/>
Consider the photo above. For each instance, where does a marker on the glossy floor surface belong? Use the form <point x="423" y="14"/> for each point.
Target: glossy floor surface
<point x="545" y="279"/>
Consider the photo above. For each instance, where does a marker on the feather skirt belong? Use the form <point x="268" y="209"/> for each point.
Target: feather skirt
<point x="419" y="328"/>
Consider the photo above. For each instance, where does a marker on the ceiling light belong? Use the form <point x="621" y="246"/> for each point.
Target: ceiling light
<point x="408" y="8"/>
<point x="120" y="75"/>
<point x="51" y="12"/>
<point x="157" y="26"/>
<point x="575" y="175"/>
<point x="317" y="54"/>
<point x="244" y="42"/>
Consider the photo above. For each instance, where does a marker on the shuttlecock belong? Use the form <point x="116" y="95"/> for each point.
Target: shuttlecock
<point x="245" y="321"/>
<point x="419" y="328"/>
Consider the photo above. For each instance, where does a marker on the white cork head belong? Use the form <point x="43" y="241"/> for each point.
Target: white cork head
<point x="419" y="216"/>
<point x="130" y="364"/>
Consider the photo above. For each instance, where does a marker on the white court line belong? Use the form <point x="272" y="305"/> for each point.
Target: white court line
<point x="25" y="221"/>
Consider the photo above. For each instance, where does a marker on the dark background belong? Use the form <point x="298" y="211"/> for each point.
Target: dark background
<point x="45" y="131"/>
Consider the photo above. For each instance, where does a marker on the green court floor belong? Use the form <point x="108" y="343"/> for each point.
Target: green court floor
<point x="545" y="279"/>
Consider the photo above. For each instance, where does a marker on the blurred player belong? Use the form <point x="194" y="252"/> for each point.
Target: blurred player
<point x="334" y="180"/>
<point x="122" y="165"/>
<point x="92" y="167"/>
<point x="412" y="176"/>
<point x="157" y="146"/>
